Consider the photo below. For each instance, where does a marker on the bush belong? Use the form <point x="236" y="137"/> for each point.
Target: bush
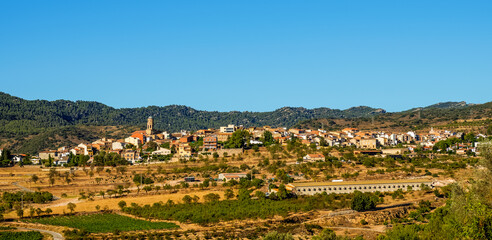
<point x="326" y="234"/>
<point x="278" y="236"/>
<point x="122" y="204"/>
<point x="211" y="197"/>
<point x="363" y="201"/>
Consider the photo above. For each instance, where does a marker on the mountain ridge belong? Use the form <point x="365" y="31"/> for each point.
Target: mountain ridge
<point x="22" y="121"/>
<point x="65" y="112"/>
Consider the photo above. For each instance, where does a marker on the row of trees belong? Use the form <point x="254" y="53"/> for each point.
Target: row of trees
<point x="248" y="204"/>
<point x="16" y="200"/>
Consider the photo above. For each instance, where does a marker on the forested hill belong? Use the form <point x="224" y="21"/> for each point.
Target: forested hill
<point x="452" y="115"/>
<point x="20" y="117"/>
<point x="29" y="126"/>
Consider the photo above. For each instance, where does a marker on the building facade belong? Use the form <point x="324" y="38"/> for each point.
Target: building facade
<point x="232" y="176"/>
<point x="311" y="188"/>
<point x="229" y="129"/>
<point x="210" y="142"/>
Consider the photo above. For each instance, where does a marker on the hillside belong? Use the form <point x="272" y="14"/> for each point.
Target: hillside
<point x="22" y="120"/>
<point x="446" y="105"/>
<point x="451" y="115"/>
<point x="64" y="136"/>
<point x="19" y="116"/>
<point x="30" y="126"/>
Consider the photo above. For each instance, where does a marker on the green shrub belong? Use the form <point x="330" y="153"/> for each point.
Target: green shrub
<point x="363" y="201"/>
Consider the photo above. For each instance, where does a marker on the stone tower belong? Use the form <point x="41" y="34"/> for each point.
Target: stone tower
<point x="150" y="126"/>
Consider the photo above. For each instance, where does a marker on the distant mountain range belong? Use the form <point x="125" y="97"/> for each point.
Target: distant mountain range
<point x="453" y="115"/>
<point x="445" y="105"/>
<point x="23" y="120"/>
<point x="18" y="115"/>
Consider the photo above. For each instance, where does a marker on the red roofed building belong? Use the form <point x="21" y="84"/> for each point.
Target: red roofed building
<point x="210" y="142"/>
<point x="140" y="135"/>
<point x="186" y="139"/>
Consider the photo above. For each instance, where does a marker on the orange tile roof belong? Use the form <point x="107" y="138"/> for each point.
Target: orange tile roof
<point x="139" y="136"/>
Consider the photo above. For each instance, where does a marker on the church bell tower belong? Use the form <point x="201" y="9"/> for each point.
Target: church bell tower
<point x="150" y="126"/>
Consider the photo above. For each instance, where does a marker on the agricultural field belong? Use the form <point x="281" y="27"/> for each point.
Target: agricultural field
<point x="88" y="197"/>
<point x="103" y="222"/>
<point x="30" y="235"/>
<point x="227" y="210"/>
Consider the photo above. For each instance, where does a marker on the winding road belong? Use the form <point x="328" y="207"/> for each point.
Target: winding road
<point x="56" y="236"/>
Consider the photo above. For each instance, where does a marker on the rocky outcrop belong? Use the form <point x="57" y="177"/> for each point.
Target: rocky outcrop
<point x="371" y="217"/>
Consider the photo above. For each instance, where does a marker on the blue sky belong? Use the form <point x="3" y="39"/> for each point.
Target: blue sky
<point x="248" y="55"/>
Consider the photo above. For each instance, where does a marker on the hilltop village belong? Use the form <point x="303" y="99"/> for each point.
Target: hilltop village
<point x="313" y="178"/>
<point x="153" y="145"/>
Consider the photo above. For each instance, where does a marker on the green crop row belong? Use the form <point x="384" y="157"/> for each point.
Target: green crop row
<point x="104" y="222"/>
<point x="31" y="235"/>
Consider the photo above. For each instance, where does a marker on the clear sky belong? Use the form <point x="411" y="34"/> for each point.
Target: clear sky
<point x="248" y="55"/>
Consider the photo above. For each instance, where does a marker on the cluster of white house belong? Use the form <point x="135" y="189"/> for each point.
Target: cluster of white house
<point x="213" y="138"/>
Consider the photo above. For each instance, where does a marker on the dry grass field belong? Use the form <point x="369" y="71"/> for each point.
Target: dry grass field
<point x="85" y="184"/>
